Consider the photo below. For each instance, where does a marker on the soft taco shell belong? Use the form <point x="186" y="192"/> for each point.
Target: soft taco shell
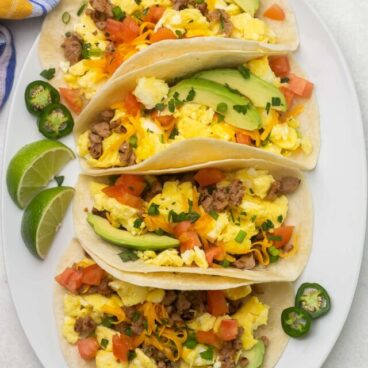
<point x="289" y="269"/>
<point x="277" y="295"/>
<point x="53" y="33"/>
<point x="199" y="150"/>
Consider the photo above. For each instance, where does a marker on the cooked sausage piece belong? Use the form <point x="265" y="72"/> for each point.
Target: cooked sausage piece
<point x="85" y="326"/>
<point x="72" y="46"/>
<point x="286" y="185"/>
<point x="220" y="15"/>
<point x="246" y="262"/>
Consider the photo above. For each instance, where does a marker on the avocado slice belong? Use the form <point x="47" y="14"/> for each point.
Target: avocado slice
<point x="124" y="238"/>
<point x="237" y="110"/>
<point x="250" y="6"/>
<point x="260" y="92"/>
<point x="255" y="355"/>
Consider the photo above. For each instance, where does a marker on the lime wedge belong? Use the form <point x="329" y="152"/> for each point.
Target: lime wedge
<point x="33" y="166"/>
<point x="43" y="217"/>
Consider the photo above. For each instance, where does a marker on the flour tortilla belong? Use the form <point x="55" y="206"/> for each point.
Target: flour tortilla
<point x="277" y="295"/>
<point x="53" y="34"/>
<point x="199" y="150"/>
<point x="289" y="269"/>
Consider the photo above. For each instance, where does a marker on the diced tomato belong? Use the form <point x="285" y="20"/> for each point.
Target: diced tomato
<point x="132" y="105"/>
<point x="88" y="348"/>
<point x="285" y="233"/>
<point x="208" y="338"/>
<point x="300" y="86"/>
<point x="217" y="253"/>
<point x="228" y="329"/>
<point x="72" y="98"/>
<point x="189" y="240"/>
<point x="217" y="305"/>
<point x="162" y="34"/>
<point x="123" y="196"/>
<point x="164" y="120"/>
<point x="289" y="96"/>
<point x="120" y="347"/>
<point x="205" y="177"/>
<point x="274" y="12"/>
<point x="133" y="184"/>
<point x="125" y="31"/>
<point x="154" y="14"/>
<point x="182" y="227"/>
<point x="114" y="60"/>
<point x="93" y="275"/>
<point x="70" y="279"/>
<point x="280" y="65"/>
<point x="243" y="139"/>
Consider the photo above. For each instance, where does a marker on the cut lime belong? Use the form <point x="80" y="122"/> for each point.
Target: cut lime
<point x="33" y="166"/>
<point x="43" y="217"/>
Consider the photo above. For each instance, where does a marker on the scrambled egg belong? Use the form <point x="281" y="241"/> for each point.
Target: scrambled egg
<point x="249" y="28"/>
<point x="190" y="22"/>
<point x="261" y="68"/>
<point x="169" y="257"/>
<point x="257" y="182"/>
<point x="250" y="316"/>
<point x="204" y="322"/>
<point x="193" y="356"/>
<point x="197" y="121"/>
<point x="142" y="361"/>
<point x="119" y="214"/>
<point x="106" y="333"/>
<point x="175" y="197"/>
<point x="151" y="91"/>
<point x="238" y="293"/>
<point x="70" y="335"/>
<point x="106" y="359"/>
<point x="129" y="294"/>
<point x="128" y="6"/>
<point x="195" y="256"/>
<point x="149" y="143"/>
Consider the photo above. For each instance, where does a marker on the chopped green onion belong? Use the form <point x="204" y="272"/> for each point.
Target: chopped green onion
<point x="241" y="109"/>
<point x="191" y="95"/>
<point x="214" y="214"/>
<point x="65" y="17"/>
<point x="268" y="107"/>
<point x="241" y="236"/>
<point x="174" y="133"/>
<point x="153" y="209"/>
<point x="191" y="341"/>
<point x="171" y="105"/>
<point x="221" y="107"/>
<point x="137" y="223"/>
<point x="274" y="237"/>
<point x="81" y="9"/>
<point x="104" y="343"/>
<point x="276" y="101"/>
<point x="133" y="141"/>
<point x="208" y="354"/>
<point x="118" y="13"/>
<point x="273" y="251"/>
<point x="267" y="225"/>
<point x="128" y="331"/>
<point x="280" y="219"/>
<point x="131" y="355"/>
<point x="128" y="255"/>
<point x="59" y="180"/>
<point x="159" y="232"/>
<point x="225" y="263"/>
<point x="245" y="72"/>
<point x="160" y="106"/>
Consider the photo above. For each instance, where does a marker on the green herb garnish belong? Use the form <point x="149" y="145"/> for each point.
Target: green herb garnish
<point x="59" y="180"/>
<point x="191" y="341"/>
<point x="245" y="72"/>
<point x="268" y="107"/>
<point x="191" y="95"/>
<point x="81" y="9"/>
<point x="128" y="255"/>
<point x="241" y="109"/>
<point x="137" y="223"/>
<point x="133" y="141"/>
<point x="241" y="236"/>
<point x="153" y="209"/>
<point x="48" y="73"/>
<point x="280" y="218"/>
<point x="174" y="133"/>
<point x="160" y="106"/>
<point x="104" y="343"/>
<point x="118" y="13"/>
<point x="276" y="101"/>
<point x="208" y="354"/>
<point x="66" y="17"/>
<point x="214" y="214"/>
<point x="267" y="225"/>
<point x="221" y="107"/>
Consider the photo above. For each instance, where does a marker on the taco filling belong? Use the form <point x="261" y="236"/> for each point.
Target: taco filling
<point x="107" y="33"/>
<point x="117" y="324"/>
<point x="208" y="218"/>
<point x="251" y="105"/>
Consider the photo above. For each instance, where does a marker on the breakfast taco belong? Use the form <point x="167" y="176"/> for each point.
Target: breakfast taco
<point x="87" y="42"/>
<point x="245" y="219"/>
<point x="198" y="108"/>
<point x="104" y="321"/>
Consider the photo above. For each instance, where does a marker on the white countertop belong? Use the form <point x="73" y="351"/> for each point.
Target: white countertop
<point x="348" y="22"/>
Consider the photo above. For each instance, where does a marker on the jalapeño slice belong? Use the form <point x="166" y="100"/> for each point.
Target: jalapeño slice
<point x="295" y="322"/>
<point x="39" y="94"/>
<point x="314" y="299"/>
<point x="56" y="121"/>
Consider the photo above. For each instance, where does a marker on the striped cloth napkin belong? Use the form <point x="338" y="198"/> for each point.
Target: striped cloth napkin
<point x="15" y="9"/>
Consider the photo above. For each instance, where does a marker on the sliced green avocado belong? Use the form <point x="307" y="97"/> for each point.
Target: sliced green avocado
<point x="237" y="110"/>
<point x="260" y="92"/>
<point x="250" y="6"/>
<point x="255" y="356"/>
<point x="124" y="238"/>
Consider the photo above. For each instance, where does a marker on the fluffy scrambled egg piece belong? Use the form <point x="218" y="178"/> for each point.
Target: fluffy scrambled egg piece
<point x="261" y="68"/>
<point x="105" y="333"/>
<point x="151" y="91"/>
<point x="106" y="359"/>
<point x="119" y="214"/>
<point x="70" y="335"/>
<point x="204" y="322"/>
<point x="193" y="356"/>
<point x="257" y="182"/>
<point x="249" y="28"/>
<point x="87" y="29"/>
<point x="238" y="293"/>
<point x="175" y="197"/>
<point x="149" y="144"/>
<point x="285" y="137"/>
<point x="197" y="121"/>
<point x="190" y="22"/>
<point x="250" y="316"/>
<point x="142" y="361"/>
<point x="169" y="257"/>
<point x="195" y="256"/>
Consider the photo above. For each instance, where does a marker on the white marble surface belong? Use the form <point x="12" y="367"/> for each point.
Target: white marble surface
<point x="348" y="20"/>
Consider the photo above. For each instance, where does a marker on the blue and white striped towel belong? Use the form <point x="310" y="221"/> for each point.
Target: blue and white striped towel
<point x="15" y="9"/>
